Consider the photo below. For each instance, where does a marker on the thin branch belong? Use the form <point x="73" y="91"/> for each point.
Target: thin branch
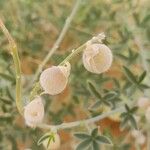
<point x="59" y="40"/>
<point x="80" y="122"/>
<point x="16" y="59"/>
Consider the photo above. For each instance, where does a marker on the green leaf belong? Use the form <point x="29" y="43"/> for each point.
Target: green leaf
<point x="110" y="96"/>
<point x="144" y="86"/>
<point x="103" y="139"/>
<point x="133" y="122"/>
<point x="9" y="94"/>
<point x="94" y="90"/>
<point x="96" y="105"/>
<point x="82" y="136"/>
<point x="146" y="19"/>
<point x="44" y="137"/>
<point x="141" y="78"/>
<point x="95" y="145"/>
<point x="124" y="121"/>
<point x="130" y="75"/>
<point x="6" y="101"/>
<point x="7" y="77"/>
<point x="94" y="132"/>
<point x="127" y="108"/>
<point x="123" y="115"/>
<point x="84" y="145"/>
<point x="134" y="109"/>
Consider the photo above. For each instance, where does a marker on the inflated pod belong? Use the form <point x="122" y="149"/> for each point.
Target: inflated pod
<point x="54" y="79"/>
<point x="34" y="112"/>
<point x="97" y="58"/>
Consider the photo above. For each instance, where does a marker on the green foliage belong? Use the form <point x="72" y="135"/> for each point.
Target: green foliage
<point x="93" y="140"/>
<point x="128" y="117"/>
<point x="35" y="26"/>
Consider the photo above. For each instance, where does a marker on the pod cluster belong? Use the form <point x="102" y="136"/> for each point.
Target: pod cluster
<point x="97" y="58"/>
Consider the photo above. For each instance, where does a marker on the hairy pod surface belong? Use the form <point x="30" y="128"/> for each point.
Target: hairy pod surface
<point x="54" y="79"/>
<point x="97" y="58"/>
<point x="34" y="112"/>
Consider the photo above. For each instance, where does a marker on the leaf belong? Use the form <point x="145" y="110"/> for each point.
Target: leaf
<point x="103" y="139"/>
<point x="7" y="77"/>
<point x="124" y="121"/>
<point x="144" y="86"/>
<point x="141" y="78"/>
<point x="82" y="136"/>
<point x="95" y="145"/>
<point x="146" y="19"/>
<point x="94" y="132"/>
<point x="9" y="94"/>
<point x="110" y="96"/>
<point x="96" y="105"/>
<point x="134" y="109"/>
<point x="133" y="122"/>
<point x="6" y="101"/>
<point x="123" y="115"/>
<point x="84" y="145"/>
<point x="44" y="137"/>
<point x="127" y="108"/>
<point x="130" y="75"/>
<point x="94" y="90"/>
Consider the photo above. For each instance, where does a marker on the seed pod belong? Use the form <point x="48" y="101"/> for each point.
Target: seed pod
<point x="34" y="112"/>
<point x="147" y="114"/>
<point x="97" y="58"/>
<point x="53" y="144"/>
<point x="54" y="79"/>
<point x="143" y="102"/>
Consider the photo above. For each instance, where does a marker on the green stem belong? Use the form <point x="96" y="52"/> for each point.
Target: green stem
<point x="16" y="59"/>
<point x="73" y="54"/>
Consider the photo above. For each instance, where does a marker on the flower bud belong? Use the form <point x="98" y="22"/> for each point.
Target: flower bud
<point x="97" y="58"/>
<point x="143" y="102"/>
<point x="34" y="112"/>
<point x="53" y="144"/>
<point x="54" y="79"/>
<point x="147" y="114"/>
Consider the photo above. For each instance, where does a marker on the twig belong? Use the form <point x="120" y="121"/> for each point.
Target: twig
<point x="15" y="56"/>
<point x="59" y="40"/>
<point x="80" y="122"/>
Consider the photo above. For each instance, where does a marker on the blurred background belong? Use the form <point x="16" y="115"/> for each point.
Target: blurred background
<point x="35" y="26"/>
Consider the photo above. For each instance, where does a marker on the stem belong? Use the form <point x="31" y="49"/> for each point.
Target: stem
<point x="15" y="55"/>
<point x="74" y="53"/>
<point x="59" y="40"/>
<point x="80" y="122"/>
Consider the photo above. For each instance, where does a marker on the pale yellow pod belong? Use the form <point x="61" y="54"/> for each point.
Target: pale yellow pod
<point x="53" y="145"/>
<point x="34" y="112"/>
<point x="54" y="79"/>
<point x="97" y="58"/>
